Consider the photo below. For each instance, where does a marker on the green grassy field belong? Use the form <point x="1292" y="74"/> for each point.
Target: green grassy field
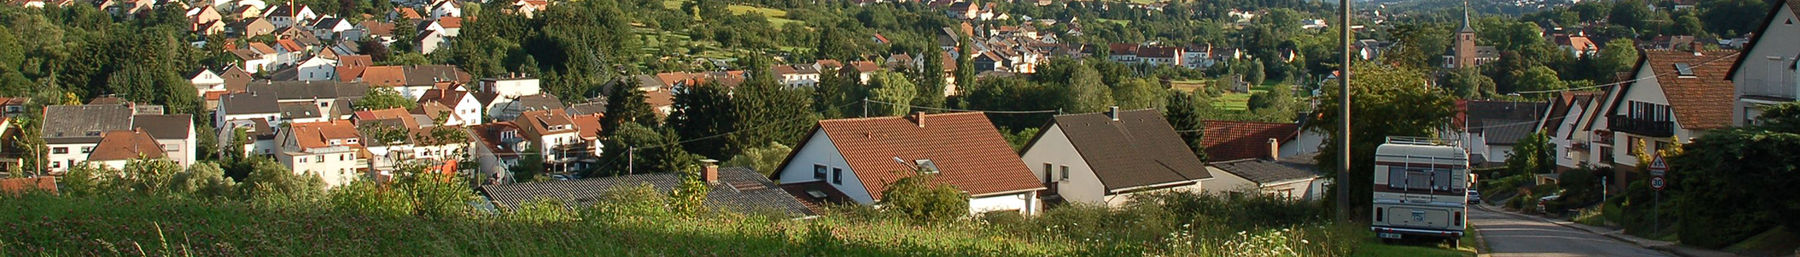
<point x="777" y="17"/>
<point x="1235" y="101"/>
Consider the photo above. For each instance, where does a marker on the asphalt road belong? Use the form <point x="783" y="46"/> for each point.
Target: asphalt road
<point x="1509" y="235"/>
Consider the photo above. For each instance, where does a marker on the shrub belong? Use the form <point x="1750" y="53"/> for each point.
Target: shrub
<point x="921" y="200"/>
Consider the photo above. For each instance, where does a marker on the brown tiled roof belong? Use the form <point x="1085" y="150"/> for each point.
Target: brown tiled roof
<point x="539" y="122"/>
<point x="289" y="45"/>
<point x="262" y="48"/>
<point x="320" y="134"/>
<point x="1139" y="149"/>
<point x="1233" y="140"/>
<point x="126" y="145"/>
<point x="450" y="22"/>
<point x="969" y="152"/>
<point x="589" y="125"/>
<point x="408" y="13"/>
<point x="1702" y="101"/>
<point x="384" y="76"/>
<point x="402" y="115"/>
<point x="489" y="134"/>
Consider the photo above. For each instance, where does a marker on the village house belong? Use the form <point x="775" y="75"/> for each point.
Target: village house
<point x="496" y="149"/>
<point x="1106" y="158"/>
<point x="331" y="27"/>
<point x="555" y="137"/>
<point x="462" y="107"/>
<point x="1764" y="75"/>
<point x="1676" y="96"/>
<point x="1237" y="140"/>
<point x="1490" y="129"/>
<point x="1290" y="177"/>
<point x="795" y="76"/>
<point x="1569" y="124"/>
<point x="72" y="132"/>
<point x="289" y="14"/>
<point x="411" y="139"/>
<point x="120" y="147"/>
<point x="855" y="160"/>
<point x="205" y="20"/>
<point x="333" y="150"/>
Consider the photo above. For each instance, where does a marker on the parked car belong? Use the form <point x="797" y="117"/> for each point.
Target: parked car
<point x="1474" y="197"/>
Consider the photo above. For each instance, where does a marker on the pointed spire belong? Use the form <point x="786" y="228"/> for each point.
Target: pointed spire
<point x="1465" y="25"/>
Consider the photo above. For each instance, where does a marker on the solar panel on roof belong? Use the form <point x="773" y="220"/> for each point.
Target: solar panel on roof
<point x="1684" y="70"/>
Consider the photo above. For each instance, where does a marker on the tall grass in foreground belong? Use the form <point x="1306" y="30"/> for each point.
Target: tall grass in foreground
<point x="638" y="223"/>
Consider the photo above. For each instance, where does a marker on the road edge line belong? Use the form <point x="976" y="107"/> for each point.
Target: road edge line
<point x="1603" y="234"/>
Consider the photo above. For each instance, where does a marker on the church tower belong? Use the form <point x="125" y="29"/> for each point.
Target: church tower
<point x="1465" y="42"/>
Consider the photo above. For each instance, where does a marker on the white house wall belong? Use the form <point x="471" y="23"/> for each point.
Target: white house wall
<point x="1223" y="183"/>
<point x="1053" y="147"/>
<point x="1025" y="203"/>
<point x="1766" y="68"/>
<point x="819" y="150"/>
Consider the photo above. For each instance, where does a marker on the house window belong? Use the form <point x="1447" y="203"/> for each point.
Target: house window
<point x="818" y="172"/>
<point x="320" y="160"/>
<point x="59" y="150"/>
<point x="1048" y="169"/>
<point x="1065" y="172"/>
<point x="87" y="149"/>
<point x="837" y="176"/>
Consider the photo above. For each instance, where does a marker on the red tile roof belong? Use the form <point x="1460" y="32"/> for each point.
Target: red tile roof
<point x="405" y="117"/>
<point x="1702" y="101"/>
<point x="319" y="134"/>
<point x="1233" y="140"/>
<point x="589" y="125"/>
<point x="384" y="76"/>
<point x="969" y="152"/>
<point x="450" y="22"/>
<point x="126" y="145"/>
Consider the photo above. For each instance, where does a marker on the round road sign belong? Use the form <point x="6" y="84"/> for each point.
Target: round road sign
<point x="1656" y="182"/>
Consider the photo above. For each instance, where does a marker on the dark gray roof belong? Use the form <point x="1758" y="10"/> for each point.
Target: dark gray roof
<point x="243" y="103"/>
<point x="1267" y="171"/>
<point x="537" y="102"/>
<point x="174" y="126"/>
<point x="299" y="111"/>
<point x="586" y="108"/>
<point x="1139" y="149"/>
<point x="426" y="75"/>
<point x="297" y="90"/>
<point x="738" y="189"/>
<point x="84" y="123"/>
<point x="1508" y="132"/>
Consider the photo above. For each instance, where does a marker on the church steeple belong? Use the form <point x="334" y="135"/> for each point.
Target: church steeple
<point x="1466" y="27"/>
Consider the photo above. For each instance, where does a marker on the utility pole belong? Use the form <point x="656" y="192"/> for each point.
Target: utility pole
<point x="1343" y="177"/>
<point x="630" y="160"/>
<point x="865" y="108"/>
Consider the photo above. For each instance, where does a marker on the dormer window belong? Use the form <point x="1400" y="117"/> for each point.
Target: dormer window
<point x="336" y="142"/>
<point x="925" y="165"/>
<point x="353" y="140"/>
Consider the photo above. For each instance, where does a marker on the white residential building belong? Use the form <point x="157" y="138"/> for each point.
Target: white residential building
<point x="855" y="160"/>
<point x="1107" y="158"/>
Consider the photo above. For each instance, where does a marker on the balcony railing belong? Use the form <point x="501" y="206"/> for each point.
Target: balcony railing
<point x="1644" y="127"/>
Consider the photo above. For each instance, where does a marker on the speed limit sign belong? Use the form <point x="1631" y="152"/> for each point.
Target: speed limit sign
<point x="1656" y="182"/>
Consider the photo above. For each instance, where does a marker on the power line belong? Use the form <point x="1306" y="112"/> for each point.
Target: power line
<point x="1691" y="67"/>
<point x="962" y="110"/>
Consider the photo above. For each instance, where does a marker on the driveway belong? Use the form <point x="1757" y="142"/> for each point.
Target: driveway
<point x="1511" y="235"/>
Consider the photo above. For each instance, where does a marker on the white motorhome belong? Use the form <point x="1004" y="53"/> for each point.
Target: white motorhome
<point x="1421" y="189"/>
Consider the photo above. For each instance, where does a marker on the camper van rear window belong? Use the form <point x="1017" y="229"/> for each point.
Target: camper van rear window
<point x="1419" y="178"/>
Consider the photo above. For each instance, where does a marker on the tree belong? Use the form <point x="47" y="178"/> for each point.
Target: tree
<point x="205" y="179"/>
<point x="965" y="63"/>
<point x="1184" y="112"/>
<point x="1532" y="155"/>
<point x="1420" y="45"/>
<point x="768" y="112"/>
<point x="1085" y="93"/>
<point x="1140" y="94"/>
<point x="1724" y="188"/>
<point x="1619" y="55"/>
<point x="530" y="166"/>
<point x="383" y="98"/>
<point x="1630" y="13"/>
<point x="641" y="149"/>
<point x="919" y="198"/>
<point x="269" y="182"/>
<point x="839" y="94"/>
<point x="764" y="159"/>
<point x="701" y="112"/>
<point x="931" y="80"/>
<point x="894" y="90"/>
<point x="1404" y="109"/>
<point x="625" y="104"/>
<point x="1540" y="78"/>
<point x="1469" y="83"/>
<point x="1727" y="18"/>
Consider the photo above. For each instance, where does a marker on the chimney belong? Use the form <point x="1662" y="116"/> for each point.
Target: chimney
<point x="1114" y="114"/>
<point x="709" y="171"/>
<point x="1274" y="149"/>
<point x="1695" y="46"/>
<point x="919" y="117"/>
